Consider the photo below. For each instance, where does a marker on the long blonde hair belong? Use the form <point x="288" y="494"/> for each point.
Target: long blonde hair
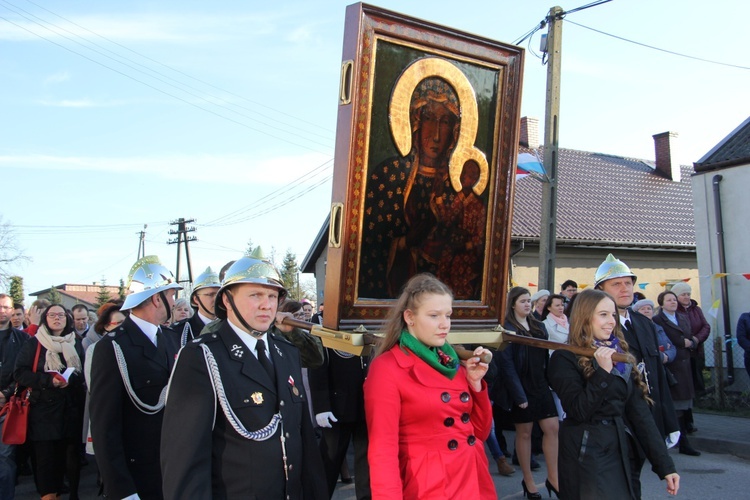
<point x="411" y="296"/>
<point x="582" y="334"/>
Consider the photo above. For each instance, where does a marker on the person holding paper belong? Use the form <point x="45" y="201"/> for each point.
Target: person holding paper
<point x="57" y="398"/>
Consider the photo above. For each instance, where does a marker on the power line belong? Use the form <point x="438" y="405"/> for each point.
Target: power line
<point x="152" y="86"/>
<point x="121" y="57"/>
<point x="178" y="71"/>
<point x="659" y="49"/>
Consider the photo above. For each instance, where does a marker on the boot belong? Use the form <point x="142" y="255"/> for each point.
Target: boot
<point x="689" y="424"/>
<point x="685" y="448"/>
<point x="503" y="467"/>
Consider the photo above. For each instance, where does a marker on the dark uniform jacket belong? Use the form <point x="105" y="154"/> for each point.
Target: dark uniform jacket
<point x="642" y="344"/>
<point x="12" y="345"/>
<point x="680" y="367"/>
<point x="126" y="440"/>
<point x="593" y="440"/>
<point x="203" y="456"/>
<point x="337" y="386"/>
<point x="55" y="413"/>
<point x="186" y="330"/>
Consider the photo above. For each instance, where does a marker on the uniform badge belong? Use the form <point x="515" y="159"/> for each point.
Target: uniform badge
<point x="237" y="351"/>
<point x="257" y="398"/>
<point x="294" y="387"/>
<point x="278" y="351"/>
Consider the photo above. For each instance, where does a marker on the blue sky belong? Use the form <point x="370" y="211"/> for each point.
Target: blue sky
<point x="119" y="114"/>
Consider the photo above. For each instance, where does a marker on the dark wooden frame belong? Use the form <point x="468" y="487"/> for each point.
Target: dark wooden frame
<point x="368" y="32"/>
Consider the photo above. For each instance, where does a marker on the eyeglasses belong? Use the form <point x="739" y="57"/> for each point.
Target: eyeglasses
<point x="56" y="315"/>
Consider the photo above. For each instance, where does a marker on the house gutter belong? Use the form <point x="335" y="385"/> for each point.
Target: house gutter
<point x="723" y="269"/>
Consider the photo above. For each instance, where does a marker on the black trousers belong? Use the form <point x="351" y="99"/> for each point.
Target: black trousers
<point x="53" y="460"/>
<point x="333" y="447"/>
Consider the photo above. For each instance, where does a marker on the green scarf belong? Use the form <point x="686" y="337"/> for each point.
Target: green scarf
<point x="444" y="359"/>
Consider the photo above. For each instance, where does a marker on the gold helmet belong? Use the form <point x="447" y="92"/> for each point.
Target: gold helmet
<point x="612" y="268"/>
<point x="148" y="277"/>
<point x="207" y="279"/>
<point x="254" y="268"/>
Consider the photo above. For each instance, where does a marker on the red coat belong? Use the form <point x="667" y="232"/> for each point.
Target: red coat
<point x="426" y="432"/>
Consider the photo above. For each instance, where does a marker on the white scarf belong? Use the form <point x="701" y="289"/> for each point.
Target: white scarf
<point x="56" y="345"/>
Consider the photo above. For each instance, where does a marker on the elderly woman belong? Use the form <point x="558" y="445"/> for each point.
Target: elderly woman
<point x="50" y="364"/>
<point x="677" y="327"/>
<point x="667" y="349"/>
<point x="538" y="303"/>
<point x="181" y="310"/>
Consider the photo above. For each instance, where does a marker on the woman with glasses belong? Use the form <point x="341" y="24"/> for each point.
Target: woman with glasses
<point x="57" y="399"/>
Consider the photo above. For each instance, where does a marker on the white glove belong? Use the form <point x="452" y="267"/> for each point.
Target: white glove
<point x="323" y="419"/>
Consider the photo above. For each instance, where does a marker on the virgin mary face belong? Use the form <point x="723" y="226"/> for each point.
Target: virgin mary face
<point x="435" y="132"/>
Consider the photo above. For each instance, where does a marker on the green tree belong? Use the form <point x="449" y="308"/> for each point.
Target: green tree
<point x="103" y="296"/>
<point x="289" y="274"/>
<point x="121" y="290"/>
<point x="54" y="295"/>
<point x="16" y="289"/>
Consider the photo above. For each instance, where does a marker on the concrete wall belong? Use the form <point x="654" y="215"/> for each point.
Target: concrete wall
<point x="735" y="207"/>
<point x="580" y="264"/>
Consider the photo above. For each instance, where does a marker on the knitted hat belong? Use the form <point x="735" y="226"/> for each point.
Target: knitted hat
<point x="538" y="295"/>
<point x="681" y="287"/>
<point x="643" y="302"/>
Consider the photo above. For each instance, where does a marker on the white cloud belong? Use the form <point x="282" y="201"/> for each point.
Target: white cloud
<point x="59" y="77"/>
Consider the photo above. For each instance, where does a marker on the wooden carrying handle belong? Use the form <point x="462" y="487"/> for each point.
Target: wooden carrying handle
<point x="361" y="339"/>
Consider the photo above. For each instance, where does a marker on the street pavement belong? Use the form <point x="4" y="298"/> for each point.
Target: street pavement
<point x="720" y="472"/>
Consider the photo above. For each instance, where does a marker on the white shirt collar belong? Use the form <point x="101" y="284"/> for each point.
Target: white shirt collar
<point x="624" y="317"/>
<point x="204" y="319"/>
<point x="249" y="340"/>
<point x="149" y="329"/>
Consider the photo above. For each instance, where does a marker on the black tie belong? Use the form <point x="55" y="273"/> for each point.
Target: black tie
<point x="628" y="325"/>
<point x="260" y="346"/>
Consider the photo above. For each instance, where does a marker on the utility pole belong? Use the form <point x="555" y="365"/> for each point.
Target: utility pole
<point x="183" y="238"/>
<point x="548" y="232"/>
<point x="142" y="242"/>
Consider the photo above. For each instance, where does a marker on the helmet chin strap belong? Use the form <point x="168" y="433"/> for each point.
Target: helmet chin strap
<point x="166" y="306"/>
<point x="250" y="329"/>
<point x="203" y="306"/>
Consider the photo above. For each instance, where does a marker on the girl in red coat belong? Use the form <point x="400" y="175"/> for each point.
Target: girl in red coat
<point x="427" y="415"/>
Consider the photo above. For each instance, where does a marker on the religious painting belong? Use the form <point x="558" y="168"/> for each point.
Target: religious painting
<point x="430" y="127"/>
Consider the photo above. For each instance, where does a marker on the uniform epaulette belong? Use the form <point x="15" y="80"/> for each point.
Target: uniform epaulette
<point x="205" y="338"/>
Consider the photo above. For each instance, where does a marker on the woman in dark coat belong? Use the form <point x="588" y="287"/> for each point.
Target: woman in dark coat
<point x="604" y="402"/>
<point x="677" y="327"/>
<point x="56" y="415"/>
<point x="523" y="371"/>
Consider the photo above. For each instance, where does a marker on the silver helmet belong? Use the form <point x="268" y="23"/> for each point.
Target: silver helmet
<point x="207" y="279"/>
<point x="254" y="268"/>
<point x="148" y="277"/>
<point x="612" y="268"/>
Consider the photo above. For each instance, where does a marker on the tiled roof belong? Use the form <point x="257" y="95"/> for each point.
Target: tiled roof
<point x="87" y="294"/>
<point x="609" y="200"/>
<point x="734" y="149"/>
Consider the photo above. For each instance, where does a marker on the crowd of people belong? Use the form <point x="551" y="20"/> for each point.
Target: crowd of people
<point x="172" y="396"/>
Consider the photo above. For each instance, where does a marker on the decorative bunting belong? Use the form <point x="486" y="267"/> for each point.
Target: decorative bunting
<point x="747" y="276"/>
<point x="662" y="283"/>
<point x="642" y="286"/>
<point x="721" y="275"/>
<point x="714" y="311"/>
<point x="582" y="285"/>
<point x="685" y="279"/>
<point x="531" y="284"/>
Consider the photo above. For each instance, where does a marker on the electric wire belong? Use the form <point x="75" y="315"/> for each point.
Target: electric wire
<point x="163" y="91"/>
<point x="657" y="48"/>
<point x="146" y="68"/>
<point x="179" y="71"/>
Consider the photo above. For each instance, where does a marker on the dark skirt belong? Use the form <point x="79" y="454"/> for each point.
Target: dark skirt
<point x="540" y="406"/>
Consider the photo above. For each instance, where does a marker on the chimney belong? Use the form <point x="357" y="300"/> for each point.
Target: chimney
<point x="529" y="132"/>
<point x="665" y="165"/>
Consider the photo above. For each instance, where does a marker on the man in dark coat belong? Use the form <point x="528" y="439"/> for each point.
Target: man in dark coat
<point x="129" y="374"/>
<point x="202" y="298"/>
<point x="338" y="399"/>
<point x="237" y="423"/>
<point x="11" y="340"/>
<point x="614" y="277"/>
